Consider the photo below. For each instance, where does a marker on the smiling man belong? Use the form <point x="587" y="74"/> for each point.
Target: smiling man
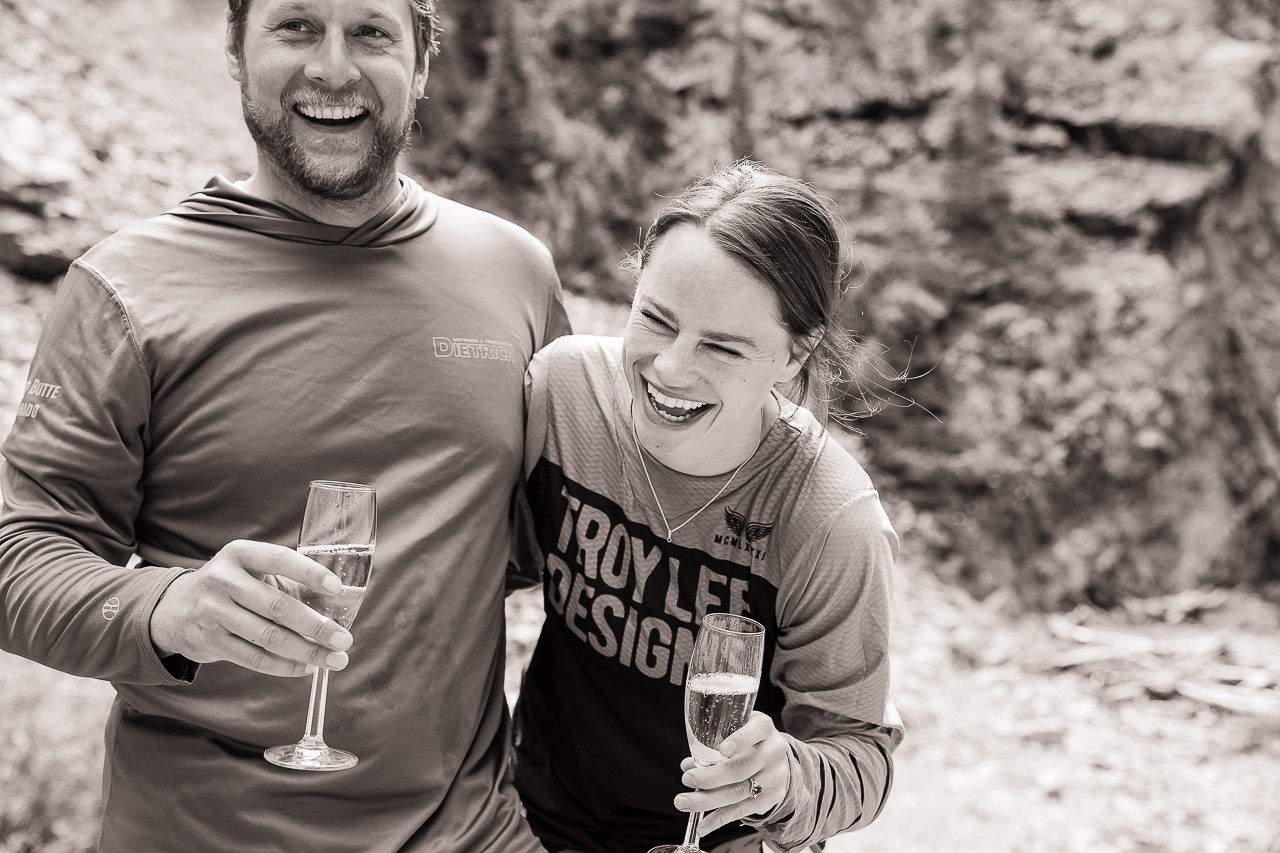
<point x="325" y="318"/>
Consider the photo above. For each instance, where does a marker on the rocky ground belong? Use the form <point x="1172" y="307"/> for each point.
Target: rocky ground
<point x="1150" y="728"/>
<point x="1017" y="741"/>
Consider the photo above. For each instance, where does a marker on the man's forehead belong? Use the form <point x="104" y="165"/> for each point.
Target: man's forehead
<point x="389" y="10"/>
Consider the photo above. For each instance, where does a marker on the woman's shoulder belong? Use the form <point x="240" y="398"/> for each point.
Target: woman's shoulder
<point x="830" y="454"/>
<point x="574" y="377"/>
<point x="579" y="353"/>
<point x="824" y="484"/>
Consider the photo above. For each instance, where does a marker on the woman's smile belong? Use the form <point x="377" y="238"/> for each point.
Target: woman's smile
<point x="674" y="409"/>
<point x="703" y="350"/>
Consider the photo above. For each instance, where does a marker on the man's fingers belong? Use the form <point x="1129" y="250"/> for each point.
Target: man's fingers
<point x="284" y="625"/>
<point x="246" y="654"/>
<point x="279" y="642"/>
<point x="264" y="558"/>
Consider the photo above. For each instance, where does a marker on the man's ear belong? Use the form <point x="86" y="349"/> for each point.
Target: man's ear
<point x="420" y="78"/>
<point x="233" y="56"/>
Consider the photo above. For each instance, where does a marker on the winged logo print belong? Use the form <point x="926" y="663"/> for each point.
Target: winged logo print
<point x="734" y="520"/>
<point x="738" y="524"/>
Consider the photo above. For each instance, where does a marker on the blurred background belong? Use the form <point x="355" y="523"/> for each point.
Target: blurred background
<point x="1066" y="226"/>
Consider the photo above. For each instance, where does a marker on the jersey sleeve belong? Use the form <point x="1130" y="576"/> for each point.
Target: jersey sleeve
<point x="557" y="320"/>
<point x="832" y="664"/>
<point x="525" y="560"/>
<point x="71" y="485"/>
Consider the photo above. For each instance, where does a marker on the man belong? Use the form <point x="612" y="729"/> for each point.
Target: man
<point x="324" y="319"/>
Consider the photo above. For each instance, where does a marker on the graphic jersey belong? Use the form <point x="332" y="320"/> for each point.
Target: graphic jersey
<point x="798" y="542"/>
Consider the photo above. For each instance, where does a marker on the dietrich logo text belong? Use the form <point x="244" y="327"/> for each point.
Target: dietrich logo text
<point x="473" y="348"/>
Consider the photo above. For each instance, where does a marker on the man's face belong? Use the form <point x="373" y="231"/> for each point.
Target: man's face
<point x="328" y="89"/>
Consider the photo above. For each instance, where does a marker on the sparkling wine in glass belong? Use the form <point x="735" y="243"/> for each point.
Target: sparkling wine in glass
<point x="724" y="677"/>
<point x="338" y="532"/>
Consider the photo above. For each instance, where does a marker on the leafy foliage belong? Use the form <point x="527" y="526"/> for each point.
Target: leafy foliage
<point x="1034" y="190"/>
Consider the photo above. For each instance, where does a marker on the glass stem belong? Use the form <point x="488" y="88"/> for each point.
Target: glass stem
<point x="691" y="832"/>
<point x="311" y="705"/>
<point x="324" y="694"/>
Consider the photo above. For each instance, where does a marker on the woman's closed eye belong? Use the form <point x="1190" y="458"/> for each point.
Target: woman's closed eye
<point x="720" y="349"/>
<point x="656" y="320"/>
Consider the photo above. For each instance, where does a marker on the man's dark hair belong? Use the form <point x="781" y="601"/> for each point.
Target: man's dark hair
<point x="426" y="32"/>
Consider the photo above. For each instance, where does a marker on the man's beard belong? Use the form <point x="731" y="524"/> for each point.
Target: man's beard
<point x="368" y="170"/>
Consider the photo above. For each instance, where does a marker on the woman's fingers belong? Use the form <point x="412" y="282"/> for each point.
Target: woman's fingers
<point x="752" y="779"/>
<point x="724" y="805"/>
<point x="756" y="729"/>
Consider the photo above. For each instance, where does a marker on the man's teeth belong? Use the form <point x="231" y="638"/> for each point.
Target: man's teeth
<point x="330" y="113"/>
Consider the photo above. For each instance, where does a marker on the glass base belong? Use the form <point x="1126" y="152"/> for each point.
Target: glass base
<point x="310" y="756"/>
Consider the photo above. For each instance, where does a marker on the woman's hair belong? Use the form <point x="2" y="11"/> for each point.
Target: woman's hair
<point x="426" y="29"/>
<point x="791" y="237"/>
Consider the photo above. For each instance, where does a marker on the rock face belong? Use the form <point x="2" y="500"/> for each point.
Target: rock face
<point x="1064" y="214"/>
<point x="1064" y="218"/>
<point x="1096" y="337"/>
<point x="86" y="147"/>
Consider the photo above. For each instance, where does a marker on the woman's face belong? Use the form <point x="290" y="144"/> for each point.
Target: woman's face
<point x="702" y="349"/>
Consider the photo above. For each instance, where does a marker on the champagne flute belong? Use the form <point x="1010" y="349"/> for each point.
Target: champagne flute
<point x="338" y="532"/>
<point x="724" y="677"/>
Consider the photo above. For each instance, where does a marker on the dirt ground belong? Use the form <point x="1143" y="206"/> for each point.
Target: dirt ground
<point x="1005" y="751"/>
<point x="1002" y="755"/>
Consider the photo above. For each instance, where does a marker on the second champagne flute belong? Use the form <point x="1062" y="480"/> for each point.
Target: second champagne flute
<point x="724" y="677"/>
<point x="338" y="532"/>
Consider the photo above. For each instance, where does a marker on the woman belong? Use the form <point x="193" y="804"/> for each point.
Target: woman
<point x="670" y="474"/>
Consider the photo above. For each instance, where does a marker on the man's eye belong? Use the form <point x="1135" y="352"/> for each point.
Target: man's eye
<point x="294" y="29"/>
<point x="370" y="33"/>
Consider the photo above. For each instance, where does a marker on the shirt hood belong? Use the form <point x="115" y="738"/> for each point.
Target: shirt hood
<point x="412" y="212"/>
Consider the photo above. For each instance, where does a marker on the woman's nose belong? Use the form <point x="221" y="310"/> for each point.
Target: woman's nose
<point x="333" y="64"/>
<point x="672" y="363"/>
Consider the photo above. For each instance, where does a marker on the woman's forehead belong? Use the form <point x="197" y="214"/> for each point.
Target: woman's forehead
<point x="693" y="282"/>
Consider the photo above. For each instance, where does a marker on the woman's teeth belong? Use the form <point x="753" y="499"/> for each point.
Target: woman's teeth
<point x="673" y="409"/>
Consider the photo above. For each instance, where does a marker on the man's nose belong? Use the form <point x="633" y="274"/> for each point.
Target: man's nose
<point x="333" y="64"/>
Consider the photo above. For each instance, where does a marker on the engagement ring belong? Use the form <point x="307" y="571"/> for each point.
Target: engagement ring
<point x="755" y="789"/>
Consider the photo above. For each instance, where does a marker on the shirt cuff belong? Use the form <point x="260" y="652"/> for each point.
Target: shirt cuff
<point x="176" y="669"/>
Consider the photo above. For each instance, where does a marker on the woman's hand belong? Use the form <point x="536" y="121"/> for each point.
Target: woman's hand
<point x="756" y="751"/>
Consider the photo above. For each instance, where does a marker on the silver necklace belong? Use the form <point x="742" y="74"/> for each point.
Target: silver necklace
<point x="671" y="531"/>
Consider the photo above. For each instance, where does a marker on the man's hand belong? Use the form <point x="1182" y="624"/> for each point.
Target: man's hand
<point x="758" y="752"/>
<point x="231" y="609"/>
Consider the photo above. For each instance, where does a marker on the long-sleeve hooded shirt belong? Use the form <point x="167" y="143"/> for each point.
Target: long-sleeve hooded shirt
<point x="798" y="541"/>
<point x="196" y="371"/>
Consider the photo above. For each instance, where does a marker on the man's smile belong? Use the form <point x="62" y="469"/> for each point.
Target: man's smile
<point x="331" y="116"/>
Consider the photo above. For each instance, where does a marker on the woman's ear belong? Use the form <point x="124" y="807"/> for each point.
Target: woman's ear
<point x="801" y="351"/>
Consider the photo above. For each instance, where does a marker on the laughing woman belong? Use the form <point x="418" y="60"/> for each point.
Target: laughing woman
<point x="674" y="473"/>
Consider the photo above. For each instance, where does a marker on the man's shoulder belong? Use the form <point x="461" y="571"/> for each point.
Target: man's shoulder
<point x="476" y="226"/>
<point x="155" y="241"/>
